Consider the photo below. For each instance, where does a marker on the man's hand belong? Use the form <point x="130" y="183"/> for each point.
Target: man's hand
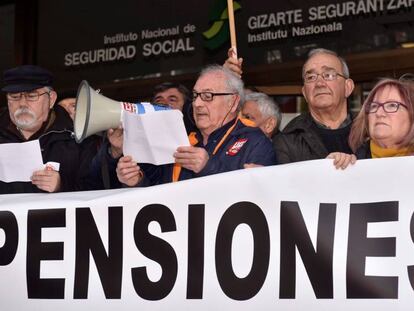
<point x="116" y="138"/>
<point x="342" y="160"/>
<point x="233" y="63"/>
<point x="191" y="158"/>
<point x="128" y="172"/>
<point x="47" y="180"/>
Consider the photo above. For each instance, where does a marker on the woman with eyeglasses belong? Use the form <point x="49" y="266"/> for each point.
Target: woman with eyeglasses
<point x="385" y="125"/>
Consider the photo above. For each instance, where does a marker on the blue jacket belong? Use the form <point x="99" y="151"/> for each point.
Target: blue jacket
<point x="244" y="144"/>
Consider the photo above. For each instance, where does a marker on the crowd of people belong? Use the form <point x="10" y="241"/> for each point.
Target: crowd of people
<point x="229" y="127"/>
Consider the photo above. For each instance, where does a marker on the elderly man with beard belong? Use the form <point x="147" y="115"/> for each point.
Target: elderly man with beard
<point x="32" y="116"/>
<point x="223" y="142"/>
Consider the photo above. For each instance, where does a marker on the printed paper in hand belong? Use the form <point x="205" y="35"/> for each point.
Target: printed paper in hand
<point x="153" y="137"/>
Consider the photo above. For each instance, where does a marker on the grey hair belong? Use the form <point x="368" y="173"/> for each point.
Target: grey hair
<point x="267" y="106"/>
<point x="233" y="83"/>
<point x="345" y="68"/>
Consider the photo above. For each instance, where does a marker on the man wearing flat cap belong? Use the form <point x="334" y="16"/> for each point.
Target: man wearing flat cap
<point x="32" y="116"/>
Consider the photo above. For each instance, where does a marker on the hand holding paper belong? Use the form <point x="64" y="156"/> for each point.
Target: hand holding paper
<point x="47" y="180"/>
<point x="191" y="158"/>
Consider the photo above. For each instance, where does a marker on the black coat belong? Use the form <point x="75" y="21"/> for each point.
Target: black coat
<point x="299" y="141"/>
<point x="57" y="144"/>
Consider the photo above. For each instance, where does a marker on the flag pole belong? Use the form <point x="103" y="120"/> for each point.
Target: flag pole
<point x="233" y="41"/>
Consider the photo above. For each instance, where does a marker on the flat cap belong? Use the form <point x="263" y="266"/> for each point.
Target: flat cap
<point x="26" y="78"/>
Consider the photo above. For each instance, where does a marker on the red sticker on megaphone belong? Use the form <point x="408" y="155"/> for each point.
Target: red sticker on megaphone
<point x="130" y="107"/>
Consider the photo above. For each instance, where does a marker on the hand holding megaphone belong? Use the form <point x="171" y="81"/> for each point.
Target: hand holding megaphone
<point x="143" y="129"/>
<point x="128" y="172"/>
<point x="116" y="138"/>
<point x="96" y="113"/>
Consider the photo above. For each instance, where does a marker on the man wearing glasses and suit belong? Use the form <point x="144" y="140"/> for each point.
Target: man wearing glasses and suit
<point x="31" y="115"/>
<point x="223" y="142"/>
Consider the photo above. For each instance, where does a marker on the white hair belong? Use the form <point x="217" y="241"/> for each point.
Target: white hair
<point x="345" y="69"/>
<point x="267" y="106"/>
<point x="233" y="83"/>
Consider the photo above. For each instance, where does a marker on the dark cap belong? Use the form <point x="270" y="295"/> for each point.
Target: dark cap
<point x="26" y="78"/>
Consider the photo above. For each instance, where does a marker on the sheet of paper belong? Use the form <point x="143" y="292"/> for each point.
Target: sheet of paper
<point x="18" y="161"/>
<point x="153" y="137"/>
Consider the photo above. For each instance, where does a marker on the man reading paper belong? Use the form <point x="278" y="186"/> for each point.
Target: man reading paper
<point x="32" y="116"/>
<point x="222" y="142"/>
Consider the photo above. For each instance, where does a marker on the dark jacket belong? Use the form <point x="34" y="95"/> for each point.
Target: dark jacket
<point x="244" y="144"/>
<point x="102" y="172"/>
<point x="57" y="144"/>
<point x="364" y="151"/>
<point x="299" y="141"/>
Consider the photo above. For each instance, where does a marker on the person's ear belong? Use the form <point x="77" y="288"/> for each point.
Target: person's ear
<point x="304" y="94"/>
<point x="53" y="97"/>
<point x="270" y="126"/>
<point x="349" y="87"/>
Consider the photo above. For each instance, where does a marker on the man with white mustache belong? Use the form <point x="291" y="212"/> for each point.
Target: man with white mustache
<point x="32" y="116"/>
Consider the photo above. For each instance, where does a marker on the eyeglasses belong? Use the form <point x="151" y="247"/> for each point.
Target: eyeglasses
<point x="208" y="96"/>
<point x="310" y="77"/>
<point x="389" y="107"/>
<point x="30" y="97"/>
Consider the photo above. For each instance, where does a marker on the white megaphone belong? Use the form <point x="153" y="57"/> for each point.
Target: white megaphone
<point x="95" y="113"/>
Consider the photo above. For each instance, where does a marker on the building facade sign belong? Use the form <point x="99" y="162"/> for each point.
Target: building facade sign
<point x="133" y="39"/>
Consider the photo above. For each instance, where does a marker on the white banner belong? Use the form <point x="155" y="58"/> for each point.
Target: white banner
<point x="287" y="237"/>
